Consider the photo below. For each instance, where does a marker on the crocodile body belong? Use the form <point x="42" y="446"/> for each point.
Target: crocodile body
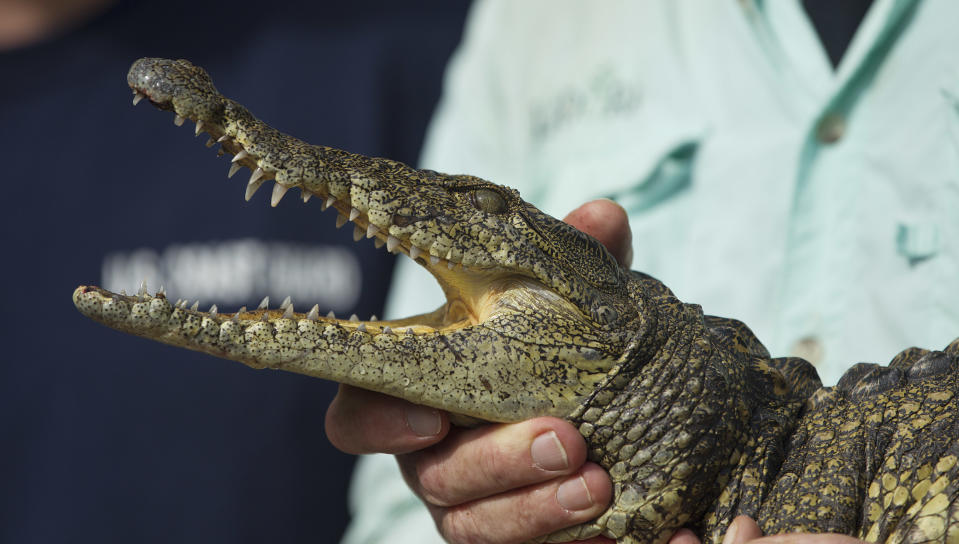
<point x="693" y="419"/>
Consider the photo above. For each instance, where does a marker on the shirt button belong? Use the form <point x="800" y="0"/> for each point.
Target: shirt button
<point x="809" y="348"/>
<point x="830" y="128"/>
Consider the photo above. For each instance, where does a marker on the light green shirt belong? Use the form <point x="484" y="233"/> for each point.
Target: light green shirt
<point x="819" y="206"/>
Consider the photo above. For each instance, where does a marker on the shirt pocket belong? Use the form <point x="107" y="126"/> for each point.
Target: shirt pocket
<point x="639" y="162"/>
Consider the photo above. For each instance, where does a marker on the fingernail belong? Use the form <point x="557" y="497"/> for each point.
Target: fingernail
<point x="573" y="494"/>
<point x="548" y="453"/>
<point x="424" y="421"/>
<point x="731" y="533"/>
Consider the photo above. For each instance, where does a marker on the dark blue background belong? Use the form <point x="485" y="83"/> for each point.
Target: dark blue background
<point x="110" y="438"/>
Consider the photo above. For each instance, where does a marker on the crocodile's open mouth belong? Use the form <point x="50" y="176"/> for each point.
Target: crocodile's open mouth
<point x="474" y="292"/>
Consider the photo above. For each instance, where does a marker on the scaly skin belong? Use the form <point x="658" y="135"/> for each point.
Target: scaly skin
<point x="691" y="417"/>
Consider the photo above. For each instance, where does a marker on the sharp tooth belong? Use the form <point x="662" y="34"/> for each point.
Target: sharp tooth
<point x="354" y="318"/>
<point x="288" y="314"/>
<point x="286" y="302"/>
<point x="183" y="303"/>
<point x="196" y="305"/>
<point x="265" y="316"/>
<point x="252" y="188"/>
<point x="449" y="255"/>
<point x="178" y="301"/>
<point x="123" y="292"/>
<point x="392" y="242"/>
<point x="314" y="313"/>
<point x="354" y="213"/>
<point x="340" y="220"/>
<point x="374" y="318"/>
<point x="362" y="327"/>
<point x="137" y="97"/>
<point x="415" y="252"/>
<point x="278" y="192"/>
<point x="331" y="315"/>
<point x="256" y="175"/>
<point x="234" y="168"/>
<point x="212" y="311"/>
<point x="371" y="230"/>
<point x="358" y="233"/>
<point x="178" y="120"/>
<point x="409" y="331"/>
<point x="241" y="310"/>
<point x="264" y="304"/>
<point x="235" y="318"/>
<point x="210" y="142"/>
<point x="434" y="260"/>
<point x="329" y="202"/>
<point x="143" y="288"/>
<point x="240" y="156"/>
<point x="387" y="330"/>
<point x="450" y="265"/>
<point x="305" y="195"/>
<point x="161" y="291"/>
<point x="378" y="242"/>
<point x="223" y="138"/>
<point x="198" y="128"/>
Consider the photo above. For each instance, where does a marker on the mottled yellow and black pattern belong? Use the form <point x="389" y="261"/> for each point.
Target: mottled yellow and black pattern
<point x="689" y="414"/>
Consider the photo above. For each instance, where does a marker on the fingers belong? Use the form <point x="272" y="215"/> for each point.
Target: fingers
<point x="607" y="222"/>
<point x="508" y="483"/>
<point x="742" y="529"/>
<point x="475" y="463"/>
<point x="684" y="536"/>
<point x="528" y="512"/>
<point x="360" y="421"/>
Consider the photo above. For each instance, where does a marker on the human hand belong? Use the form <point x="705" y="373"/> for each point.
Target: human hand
<point x="497" y="483"/>
<point x="745" y="529"/>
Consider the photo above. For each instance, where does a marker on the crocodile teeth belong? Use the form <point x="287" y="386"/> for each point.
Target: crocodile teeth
<point x="371" y="230"/>
<point x="242" y="310"/>
<point x="329" y="202"/>
<point x="392" y="242"/>
<point x="331" y="315"/>
<point x="198" y="128"/>
<point x="358" y="233"/>
<point x="212" y="311"/>
<point x="142" y="292"/>
<point x="362" y="327"/>
<point x="434" y="260"/>
<point x="409" y="331"/>
<point x="450" y="265"/>
<point x="288" y="314"/>
<point x="340" y="220"/>
<point x="161" y="292"/>
<point x="305" y="195"/>
<point x="251" y="188"/>
<point x="354" y="213"/>
<point x="223" y="138"/>
<point x="354" y="318"/>
<point x="265" y="317"/>
<point x="234" y="168"/>
<point x="178" y="120"/>
<point x="378" y="243"/>
<point x="235" y="318"/>
<point x="210" y="142"/>
<point x="264" y="304"/>
<point x="314" y="313"/>
<point x="137" y="97"/>
<point x="415" y="252"/>
<point x="240" y="156"/>
<point x="257" y="174"/>
<point x="387" y="330"/>
<point x="196" y="305"/>
<point x="288" y="301"/>
<point x="373" y="318"/>
<point x="278" y="192"/>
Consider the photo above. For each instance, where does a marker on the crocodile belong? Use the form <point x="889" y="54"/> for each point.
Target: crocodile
<point x="693" y="419"/>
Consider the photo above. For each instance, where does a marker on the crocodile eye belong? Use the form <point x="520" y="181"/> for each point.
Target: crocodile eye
<point x="489" y="201"/>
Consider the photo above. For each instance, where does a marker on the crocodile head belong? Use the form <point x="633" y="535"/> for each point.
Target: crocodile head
<point x="537" y="313"/>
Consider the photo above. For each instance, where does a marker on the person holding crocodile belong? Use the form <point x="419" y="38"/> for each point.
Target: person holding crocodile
<point x="809" y="192"/>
